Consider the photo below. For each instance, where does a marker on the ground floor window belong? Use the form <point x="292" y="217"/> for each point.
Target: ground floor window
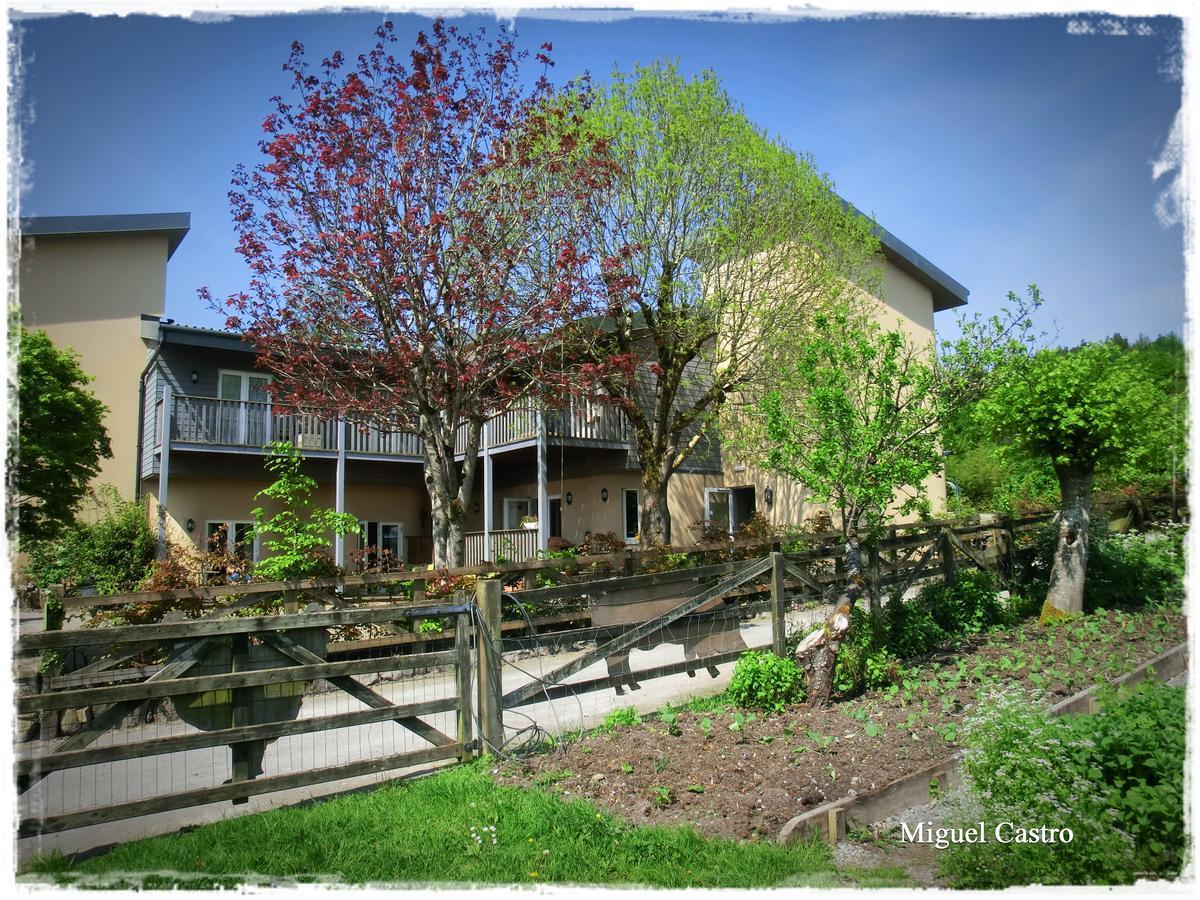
<point x="516" y="509"/>
<point x="384" y="539"/>
<point x="633" y="508"/>
<point x="234" y="538"/>
<point x="729" y="508"/>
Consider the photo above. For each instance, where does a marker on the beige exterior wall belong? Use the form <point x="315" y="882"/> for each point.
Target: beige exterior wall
<point x="222" y="500"/>
<point x="88" y="292"/>
<point x="586" y="512"/>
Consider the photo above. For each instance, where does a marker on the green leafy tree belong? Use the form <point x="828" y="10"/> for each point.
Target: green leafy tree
<point x="856" y="410"/>
<point x="715" y="238"/>
<point x="991" y="475"/>
<point x="60" y="442"/>
<point x="1079" y="408"/>
<point x="297" y="536"/>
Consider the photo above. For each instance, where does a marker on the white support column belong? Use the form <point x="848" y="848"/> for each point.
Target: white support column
<point x="543" y="497"/>
<point x="487" y="490"/>
<point x="339" y="492"/>
<point x="164" y="469"/>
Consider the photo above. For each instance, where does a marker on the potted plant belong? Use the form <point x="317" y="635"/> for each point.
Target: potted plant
<point x="529" y="523"/>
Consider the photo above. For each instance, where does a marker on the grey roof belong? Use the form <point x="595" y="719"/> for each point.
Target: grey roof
<point x="174" y="225"/>
<point x="947" y="293"/>
<point x="195" y="336"/>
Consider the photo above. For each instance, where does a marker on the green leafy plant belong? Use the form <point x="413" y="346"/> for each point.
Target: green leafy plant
<point x="294" y="538"/>
<point x="625" y="717"/>
<point x="1115" y="778"/>
<point x="765" y="681"/>
<point x="662" y="796"/>
<point x="706" y="727"/>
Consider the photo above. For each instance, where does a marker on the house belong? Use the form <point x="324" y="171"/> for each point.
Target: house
<point x="190" y="413"/>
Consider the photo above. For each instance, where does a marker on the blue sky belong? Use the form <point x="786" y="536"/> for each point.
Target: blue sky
<point x="1007" y="151"/>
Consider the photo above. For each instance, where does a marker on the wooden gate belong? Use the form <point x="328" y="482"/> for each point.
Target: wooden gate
<point x="237" y="683"/>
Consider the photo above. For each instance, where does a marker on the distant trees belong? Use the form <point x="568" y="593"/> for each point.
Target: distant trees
<point x="60" y="439"/>
<point x="415" y="238"/>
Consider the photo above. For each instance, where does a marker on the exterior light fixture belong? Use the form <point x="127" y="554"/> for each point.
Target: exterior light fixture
<point x="604" y="495"/>
<point x="195" y="376"/>
<point x="191" y="525"/>
<point x="569" y="498"/>
<point x="476" y="506"/>
<point x="768" y="496"/>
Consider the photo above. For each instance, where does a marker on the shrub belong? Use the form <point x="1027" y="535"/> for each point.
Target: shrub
<point x="968" y="606"/>
<point x="1124" y="570"/>
<point x="765" y="681"/>
<point x="113" y="554"/>
<point x="1115" y="779"/>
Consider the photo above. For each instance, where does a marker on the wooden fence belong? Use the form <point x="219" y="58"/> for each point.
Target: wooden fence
<point x="240" y="681"/>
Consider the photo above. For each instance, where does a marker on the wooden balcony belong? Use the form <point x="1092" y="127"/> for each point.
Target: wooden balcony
<point x="206" y="421"/>
<point x="581" y="422"/>
<point x="251" y="424"/>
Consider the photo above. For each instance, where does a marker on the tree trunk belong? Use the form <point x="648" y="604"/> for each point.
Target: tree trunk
<point x="655" y="518"/>
<point x="1065" y="595"/>
<point x="449" y="488"/>
<point x="817" y="653"/>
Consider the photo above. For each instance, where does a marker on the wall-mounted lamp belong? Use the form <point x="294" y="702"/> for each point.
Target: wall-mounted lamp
<point x="195" y="376"/>
<point x="768" y="496"/>
<point x="476" y="506"/>
<point x="604" y="495"/>
<point x="191" y="525"/>
<point x="569" y="498"/>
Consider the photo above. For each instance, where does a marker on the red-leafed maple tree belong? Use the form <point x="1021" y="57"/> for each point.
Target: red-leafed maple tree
<point x="415" y="243"/>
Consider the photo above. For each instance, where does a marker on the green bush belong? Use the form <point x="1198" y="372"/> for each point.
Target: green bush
<point x="1115" y="779"/>
<point x="1124" y="570"/>
<point x="765" y="681"/>
<point x="114" y="553"/>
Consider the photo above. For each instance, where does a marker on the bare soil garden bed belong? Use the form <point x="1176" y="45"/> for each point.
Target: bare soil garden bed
<point x="729" y="774"/>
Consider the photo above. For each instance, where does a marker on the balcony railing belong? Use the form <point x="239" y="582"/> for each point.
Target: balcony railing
<point x="246" y="423"/>
<point x="249" y="423"/>
<point x="510" y="545"/>
<point x="582" y="419"/>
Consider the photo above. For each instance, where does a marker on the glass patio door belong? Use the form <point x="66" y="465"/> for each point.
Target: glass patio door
<point x="245" y="408"/>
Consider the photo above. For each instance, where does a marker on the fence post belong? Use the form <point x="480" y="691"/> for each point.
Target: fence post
<point x="462" y="648"/>
<point x="491" y="689"/>
<point x="53" y="614"/>
<point x="778" y="607"/>
<point x="947" y="550"/>
<point x="240" y="715"/>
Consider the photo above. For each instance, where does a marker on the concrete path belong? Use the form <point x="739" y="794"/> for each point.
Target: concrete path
<point x="135" y="779"/>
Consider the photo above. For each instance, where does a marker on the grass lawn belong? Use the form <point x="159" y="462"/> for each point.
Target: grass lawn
<point x="440" y="829"/>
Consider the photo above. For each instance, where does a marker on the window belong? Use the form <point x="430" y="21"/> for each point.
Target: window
<point x="632" y="515"/>
<point x="387" y="537"/>
<point x="515" y="509"/>
<point x="718" y="508"/>
<point x="234" y="538"/>
<point x="729" y="508"/>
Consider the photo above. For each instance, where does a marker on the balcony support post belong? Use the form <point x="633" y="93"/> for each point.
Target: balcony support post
<point x="487" y="490"/>
<point x="543" y="498"/>
<point x="339" y="492"/>
<point x="164" y="468"/>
